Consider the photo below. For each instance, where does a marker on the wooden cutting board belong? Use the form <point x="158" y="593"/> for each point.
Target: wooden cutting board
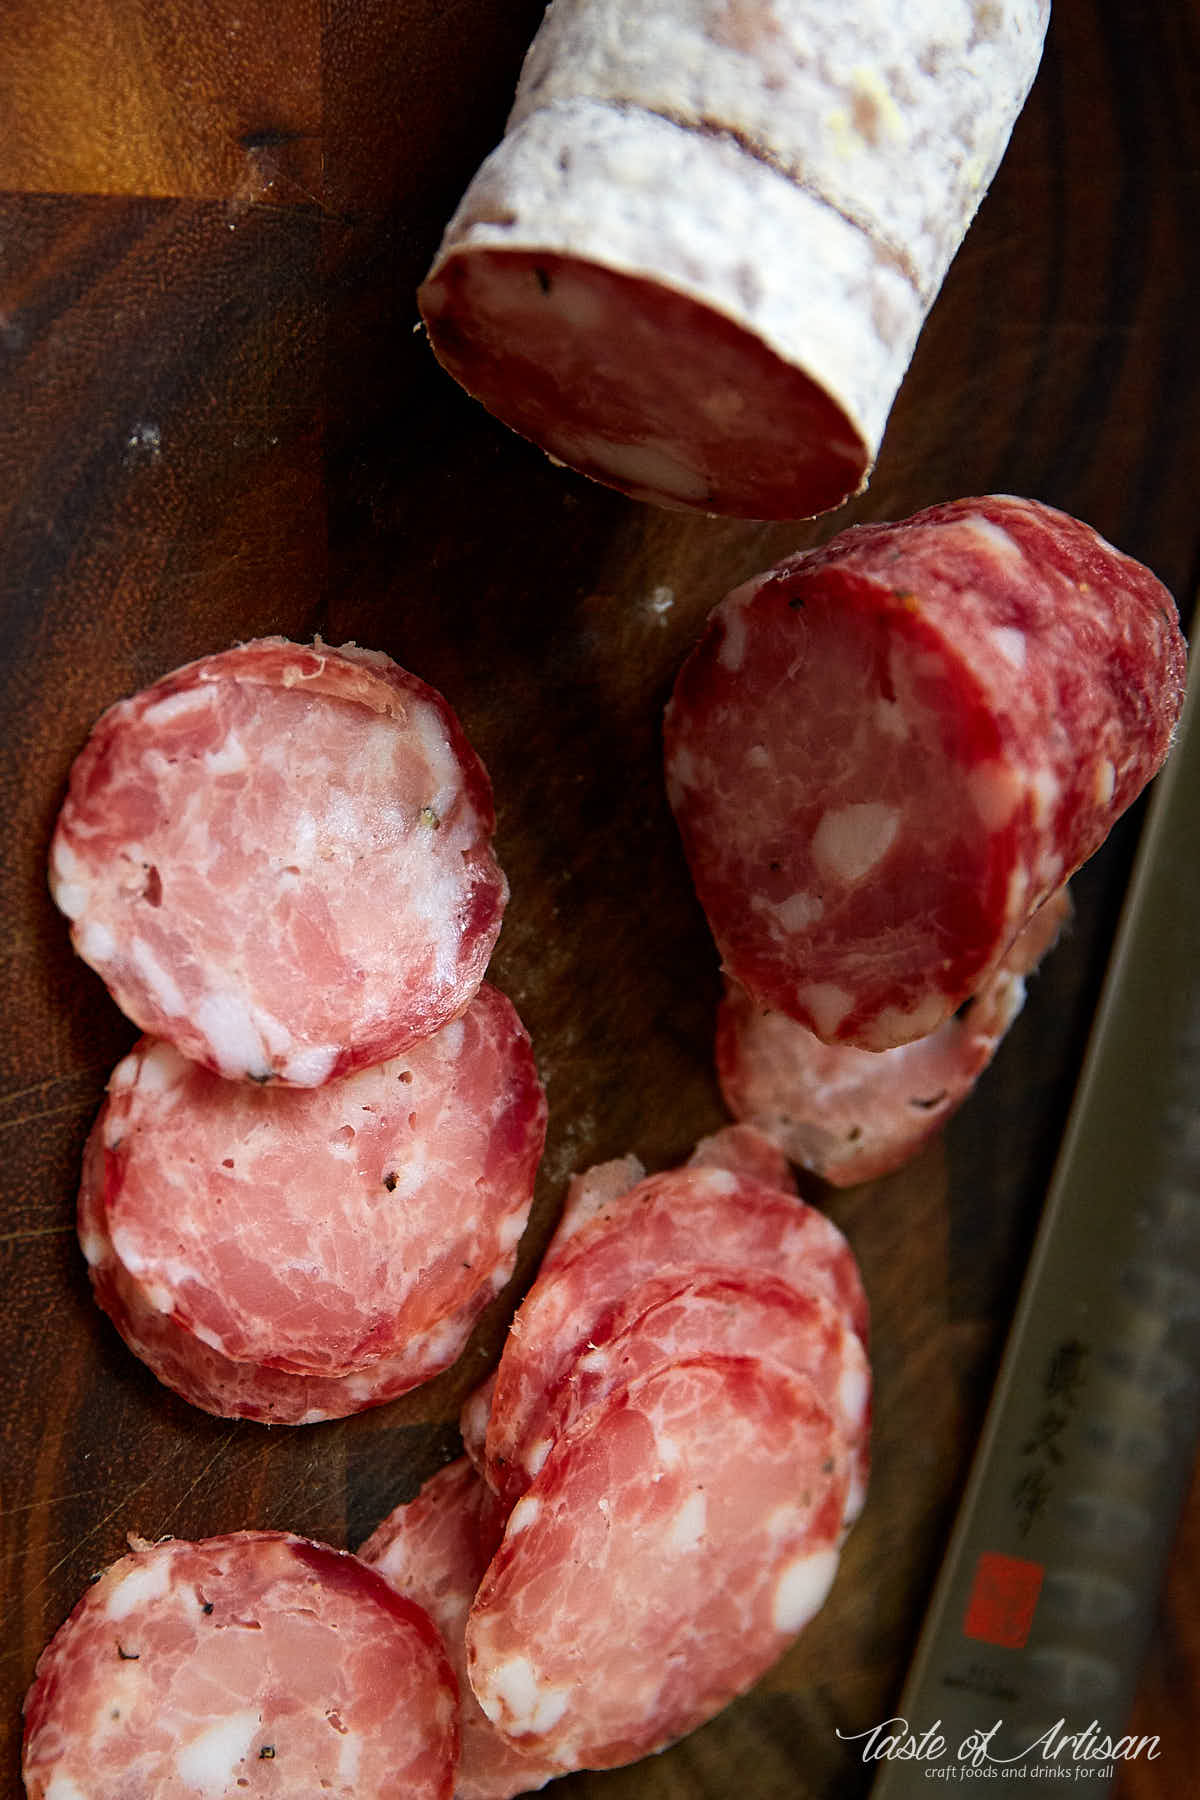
<point x="218" y="421"/>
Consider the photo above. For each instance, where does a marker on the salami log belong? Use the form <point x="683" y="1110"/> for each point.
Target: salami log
<point x="669" y="1223"/>
<point x="885" y="754"/>
<point x="667" y="1552"/>
<point x="347" y="1236"/>
<point x="850" y="1115"/>
<point x="435" y="1550"/>
<point x="256" y="1663"/>
<point x="279" y="859"/>
<point x="697" y="264"/>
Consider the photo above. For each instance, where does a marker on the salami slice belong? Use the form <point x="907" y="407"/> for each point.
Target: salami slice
<point x="666" y="1554"/>
<point x="355" y="1229"/>
<point x="884" y="755"/>
<point x="674" y="1221"/>
<point x="279" y="859"/>
<point x="256" y="1663"/>
<point x="697" y="264"/>
<point x="435" y="1550"/>
<point x="671" y="1317"/>
<point x="850" y="1115"/>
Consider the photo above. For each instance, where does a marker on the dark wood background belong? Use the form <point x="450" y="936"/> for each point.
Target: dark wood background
<point x="216" y="421"/>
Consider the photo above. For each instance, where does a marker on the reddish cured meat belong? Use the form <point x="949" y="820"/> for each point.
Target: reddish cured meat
<point x="257" y="1663"/>
<point x="668" y="1551"/>
<point x="279" y="859"/>
<point x="744" y="1150"/>
<point x="670" y="1317"/>
<point x="435" y="1550"/>
<point x="354" y="1229"/>
<point x="683" y="1219"/>
<point x="885" y="754"/>
<point x="851" y="1115"/>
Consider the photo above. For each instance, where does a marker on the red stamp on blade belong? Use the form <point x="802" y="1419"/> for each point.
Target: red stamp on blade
<point x="1004" y="1596"/>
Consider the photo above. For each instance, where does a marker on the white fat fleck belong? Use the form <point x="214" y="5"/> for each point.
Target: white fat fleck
<point x="160" y="1069"/>
<point x="229" y="759"/>
<point x="669" y="1453"/>
<point x="732" y="653"/>
<point x="656" y="467"/>
<point x="1011" y="644"/>
<point x="902" y="1026"/>
<point x="175" y="706"/>
<point x="995" y="791"/>
<point x="209" y="1760"/>
<point x="1049" y="872"/>
<point x="1018" y="887"/>
<point x="144" y="1582"/>
<point x="828" y="1005"/>
<point x="451" y="1036"/>
<point x="1106" y="782"/>
<point x="758" y="757"/>
<point x="719" y="1181"/>
<point x="688" y="1526"/>
<point x="851" y="840"/>
<point x="799" y="911"/>
<point x="96" y="942"/>
<point x="94" y="1246"/>
<point x="234" y="1038"/>
<point x="525" y="1511"/>
<point x="515" y="1698"/>
<point x="890" y="718"/>
<point x="63" y="1788"/>
<point x="801" y="1589"/>
<point x="310" y="1067"/>
<point x="536" y="1455"/>
<point x="1045" y="789"/>
<point x="65" y="864"/>
<point x="71" y="897"/>
<point x="162" y="986"/>
<point x="349" y="1757"/>
<point x="994" y="536"/>
<point x="853" y="1391"/>
<point x="509" y="1230"/>
<point x="204" y="1332"/>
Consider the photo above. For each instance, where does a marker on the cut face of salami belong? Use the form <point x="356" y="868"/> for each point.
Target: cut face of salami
<point x="851" y="1115"/>
<point x="667" y="1552"/>
<point x="668" y="1223"/>
<point x="885" y="754"/>
<point x="697" y="264"/>
<point x="435" y="1550"/>
<point x="257" y="1663"/>
<point x="347" y="1236"/>
<point x="279" y="859"/>
<point x="673" y="1316"/>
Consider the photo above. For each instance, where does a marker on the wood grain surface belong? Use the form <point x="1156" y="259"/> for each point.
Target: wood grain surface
<point x="217" y="421"/>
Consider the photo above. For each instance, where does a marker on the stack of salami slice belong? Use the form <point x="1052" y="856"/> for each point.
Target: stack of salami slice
<point x="312" y="1174"/>
<point x="886" y="757"/>
<point x="659" y="1476"/>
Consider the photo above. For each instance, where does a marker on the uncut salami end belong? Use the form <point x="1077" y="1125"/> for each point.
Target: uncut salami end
<point x="884" y="755"/>
<point x="279" y="859"/>
<point x="258" y="1663"/>
<point x="696" y="266"/>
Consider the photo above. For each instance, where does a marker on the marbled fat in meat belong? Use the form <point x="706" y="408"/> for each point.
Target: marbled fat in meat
<point x="279" y="859"/>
